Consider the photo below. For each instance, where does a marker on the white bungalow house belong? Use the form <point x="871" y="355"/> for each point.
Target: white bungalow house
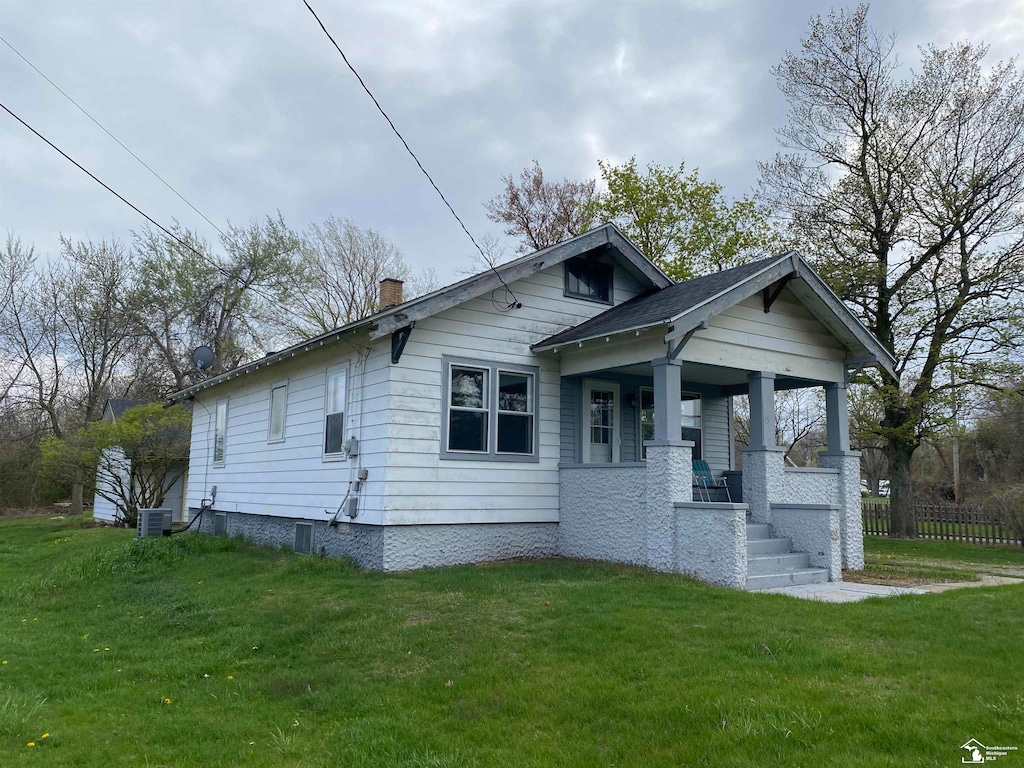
<point x="551" y="406"/>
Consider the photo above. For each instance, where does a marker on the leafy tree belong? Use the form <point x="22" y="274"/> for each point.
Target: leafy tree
<point x="909" y="194"/>
<point x="188" y="296"/>
<point x="542" y="213"/>
<point x="131" y="462"/>
<point x="683" y="223"/>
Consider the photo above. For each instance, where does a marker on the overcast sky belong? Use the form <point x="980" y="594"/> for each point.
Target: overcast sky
<point x="246" y="108"/>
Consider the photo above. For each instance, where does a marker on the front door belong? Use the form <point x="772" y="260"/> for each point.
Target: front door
<point x="601" y="422"/>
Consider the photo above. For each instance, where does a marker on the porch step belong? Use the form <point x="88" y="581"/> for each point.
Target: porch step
<point x="768" y="546"/>
<point x="758" y="531"/>
<point x="788" y="578"/>
<point x="766" y="564"/>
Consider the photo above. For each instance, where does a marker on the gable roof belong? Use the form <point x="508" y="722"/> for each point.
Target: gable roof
<point x="388" y="320"/>
<point x="659" y="308"/>
<point x="688" y="305"/>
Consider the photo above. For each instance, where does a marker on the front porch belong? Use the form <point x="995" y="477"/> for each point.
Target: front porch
<point x="630" y="436"/>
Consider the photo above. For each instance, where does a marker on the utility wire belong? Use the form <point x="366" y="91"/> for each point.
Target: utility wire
<point x="104" y="129"/>
<point x="184" y="243"/>
<point x="515" y="302"/>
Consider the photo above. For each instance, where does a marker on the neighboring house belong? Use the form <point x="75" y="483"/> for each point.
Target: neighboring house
<point x="107" y="511"/>
<point x="559" y="415"/>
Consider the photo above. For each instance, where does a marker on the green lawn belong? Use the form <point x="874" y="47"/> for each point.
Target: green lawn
<point x="930" y="549"/>
<point x="272" y="659"/>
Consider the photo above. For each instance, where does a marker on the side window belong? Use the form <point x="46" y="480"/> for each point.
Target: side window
<point x="278" y="408"/>
<point x="334" y="411"/>
<point x="489" y="411"/>
<point x="589" y="280"/>
<point x="220" y="432"/>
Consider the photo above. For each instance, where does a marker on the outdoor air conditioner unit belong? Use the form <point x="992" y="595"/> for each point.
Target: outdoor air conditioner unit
<point x="154" y="522"/>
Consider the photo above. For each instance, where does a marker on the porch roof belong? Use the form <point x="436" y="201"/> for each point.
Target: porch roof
<point x="690" y="304"/>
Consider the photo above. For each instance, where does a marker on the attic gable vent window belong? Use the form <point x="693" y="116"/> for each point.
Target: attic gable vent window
<point x="588" y="280"/>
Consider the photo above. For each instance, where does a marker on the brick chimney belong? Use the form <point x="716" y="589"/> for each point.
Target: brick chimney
<point x="390" y="292"/>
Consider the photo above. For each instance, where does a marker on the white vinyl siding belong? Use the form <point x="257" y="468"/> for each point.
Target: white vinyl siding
<point x="422" y="487"/>
<point x="291" y="479"/>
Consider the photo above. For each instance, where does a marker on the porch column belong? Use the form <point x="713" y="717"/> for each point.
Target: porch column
<point x="762" y="460"/>
<point x="839" y="456"/>
<point x="668" y="395"/>
<point x="669" y="467"/>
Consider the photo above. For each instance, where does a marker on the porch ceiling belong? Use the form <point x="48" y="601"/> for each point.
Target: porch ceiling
<point x="732" y="380"/>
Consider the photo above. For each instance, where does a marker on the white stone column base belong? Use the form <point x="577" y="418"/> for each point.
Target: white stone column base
<point x="850" y="521"/>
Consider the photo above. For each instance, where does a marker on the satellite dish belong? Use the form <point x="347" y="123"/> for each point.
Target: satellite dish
<point x="202" y="357"/>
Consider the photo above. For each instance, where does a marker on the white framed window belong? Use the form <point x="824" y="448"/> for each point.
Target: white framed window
<point x="489" y="411"/>
<point x="220" y="432"/>
<point x="334" y="412"/>
<point x="278" y="411"/>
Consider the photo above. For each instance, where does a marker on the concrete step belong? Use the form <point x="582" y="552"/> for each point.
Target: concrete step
<point x="762" y="564"/>
<point x="788" y="578"/>
<point x="758" y="531"/>
<point x="769" y="546"/>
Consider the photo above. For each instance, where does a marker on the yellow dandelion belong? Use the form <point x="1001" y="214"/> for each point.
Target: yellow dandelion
<point x="106" y="649"/>
<point x="165" y="701"/>
<point x="45" y="736"/>
<point x="4" y="662"/>
<point x="31" y="744"/>
<point x="231" y="677"/>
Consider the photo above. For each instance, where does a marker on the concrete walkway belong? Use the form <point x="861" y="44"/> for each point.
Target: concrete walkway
<point x="841" y="591"/>
<point x="851" y="592"/>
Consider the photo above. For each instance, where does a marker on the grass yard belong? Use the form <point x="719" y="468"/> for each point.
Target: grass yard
<point x="201" y="651"/>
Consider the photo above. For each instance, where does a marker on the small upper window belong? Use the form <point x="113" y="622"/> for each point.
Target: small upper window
<point x="590" y="280"/>
<point x="278" y="405"/>
<point x="220" y="431"/>
<point x="334" y="412"/>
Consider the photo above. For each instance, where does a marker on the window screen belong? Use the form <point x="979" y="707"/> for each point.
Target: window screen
<point x="304" y="538"/>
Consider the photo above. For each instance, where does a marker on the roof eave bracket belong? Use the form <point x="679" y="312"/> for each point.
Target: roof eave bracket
<point x="771" y="293"/>
<point x="399" y="339"/>
<point x="675" y="351"/>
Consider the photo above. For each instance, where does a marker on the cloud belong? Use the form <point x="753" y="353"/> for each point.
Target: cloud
<point x="246" y="108"/>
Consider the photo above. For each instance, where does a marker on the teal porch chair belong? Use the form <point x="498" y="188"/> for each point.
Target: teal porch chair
<point x="707" y="484"/>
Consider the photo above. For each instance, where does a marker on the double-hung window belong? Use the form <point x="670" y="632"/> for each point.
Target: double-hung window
<point x="278" y="407"/>
<point x="220" y="432"/>
<point x="334" y="412"/>
<point x="489" y="411"/>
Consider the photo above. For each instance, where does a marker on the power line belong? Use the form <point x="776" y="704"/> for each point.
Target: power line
<point x="185" y="244"/>
<point x="104" y="129"/>
<point x="515" y="301"/>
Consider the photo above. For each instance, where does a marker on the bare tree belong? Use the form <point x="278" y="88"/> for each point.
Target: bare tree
<point x="337" y="273"/>
<point x="909" y="194"/>
<point x="541" y="213"/>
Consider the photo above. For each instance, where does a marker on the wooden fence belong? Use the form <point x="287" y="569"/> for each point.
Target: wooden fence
<point x="949" y="522"/>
